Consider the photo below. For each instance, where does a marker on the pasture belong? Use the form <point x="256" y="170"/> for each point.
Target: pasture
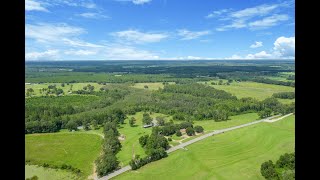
<point x="255" y="90"/>
<point x="132" y="135"/>
<point x="72" y="86"/>
<point x="235" y="155"/>
<point x="76" y="149"/>
<point x="47" y="173"/>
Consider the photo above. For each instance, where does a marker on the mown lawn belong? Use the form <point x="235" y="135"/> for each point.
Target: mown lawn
<point x="234" y="155"/>
<point x="76" y="149"/>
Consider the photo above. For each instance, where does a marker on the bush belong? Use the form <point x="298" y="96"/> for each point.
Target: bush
<point x="198" y="129"/>
<point x="169" y="139"/>
<point x="190" y="131"/>
<point x="178" y="133"/>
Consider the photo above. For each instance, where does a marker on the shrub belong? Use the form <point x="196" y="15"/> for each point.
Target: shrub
<point x="198" y="129"/>
<point x="190" y="131"/>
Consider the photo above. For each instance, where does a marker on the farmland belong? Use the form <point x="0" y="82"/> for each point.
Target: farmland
<point x="234" y="155"/>
<point x="67" y="132"/>
<point x="77" y="150"/>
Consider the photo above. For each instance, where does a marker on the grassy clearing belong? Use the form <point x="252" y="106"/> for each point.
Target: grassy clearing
<point x="132" y="135"/>
<point x="235" y="155"/>
<point x="151" y="86"/>
<point x="76" y="149"/>
<point x="256" y="90"/>
<point x="47" y="173"/>
<point x="66" y="88"/>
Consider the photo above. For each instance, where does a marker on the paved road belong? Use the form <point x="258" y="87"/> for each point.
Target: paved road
<point x="182" y="145"/>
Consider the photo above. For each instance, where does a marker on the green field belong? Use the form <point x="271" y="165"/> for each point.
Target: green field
<point x="132" y="135"/>
<point x="66" y="88"/>
<point x="256" y="90"/>
<point x="151" y="86"/>
<point x="47" y="173"/>
<point x="76" y="149"/>
<point x="235" y="155"/>
<point x="210" y="125"/>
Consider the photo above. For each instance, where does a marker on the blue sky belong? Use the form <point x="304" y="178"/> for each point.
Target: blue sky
<point x="159" y="29"/>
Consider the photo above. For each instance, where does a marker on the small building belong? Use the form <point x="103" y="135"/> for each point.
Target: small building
<point x="147" y="125"/>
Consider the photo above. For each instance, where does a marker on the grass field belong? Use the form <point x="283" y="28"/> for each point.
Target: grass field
<point x="210" y="125"/>
<point x="76" y="149"/>
<point x="151" y="86"/>
<point x="66" y="88"/>
<point x="47" y="173"/>
<point x="234" y="155"/>
<point x="256" y="90"/>
<point x="132" y="135"/>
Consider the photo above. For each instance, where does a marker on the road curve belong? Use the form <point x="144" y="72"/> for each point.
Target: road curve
<point x="182" y="145"/>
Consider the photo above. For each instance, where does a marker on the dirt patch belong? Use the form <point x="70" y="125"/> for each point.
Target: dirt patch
<point x="122" y="137"/>
<point x="94" y="175"/>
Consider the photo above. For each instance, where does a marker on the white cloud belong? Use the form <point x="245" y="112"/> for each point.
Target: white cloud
<point x="235" y="56"/>
<point x="128" y="53"/>
<point x="259" y="55"/>
<point x="80" y="52"/>
<point x="188" y="35"/>
<point x="31" y="5"/>
<point x="89" y="4"/>
<point x="217" y="13"/>
<point x="51" y="32"/>
<point x="137" y="2"/>
<point x="256" y="44"/>
<point x="46" y="55"/>
<point x="269" y="21"/>
<point x="79" y="43"/>
<point x="140" y="1"/>
<point x="93" y="15"/>
<point x="139" y="37"/>
<point x="253" y="18"/>
<point x="284" y="47"/>
<point x="255" y="11"/>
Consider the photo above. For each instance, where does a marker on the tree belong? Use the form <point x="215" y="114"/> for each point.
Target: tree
<point x="111" y="142"/>
<point x="146" y="119"/>
<point x="132" y="121"/>
<point x="265" y="113"/>
<point x="30" y="91"/>
<point x="59" y="91"/>
<point x="198" y="129"/>
<point x="156" y="141"/>
<point x="86" y="127"/>
<point x="106" y="163"/>
<point x="268" y="170"/>
<point x="33" y="178"/>
<point x="146" y="87"/>
<point x="160" y="120"/>
<point x="94" y="124"/>
<point x="178" y="133"/>
<point x="62" y="84"/>
<point x="71" y="125"/>
<point x="119" y="115"/>
<point x="190" y="131"/>
<point x="143" y="140"/>
<point x="111" y="126"/>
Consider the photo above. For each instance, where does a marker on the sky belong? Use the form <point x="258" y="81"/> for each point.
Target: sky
<point x="159" y="29"/>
